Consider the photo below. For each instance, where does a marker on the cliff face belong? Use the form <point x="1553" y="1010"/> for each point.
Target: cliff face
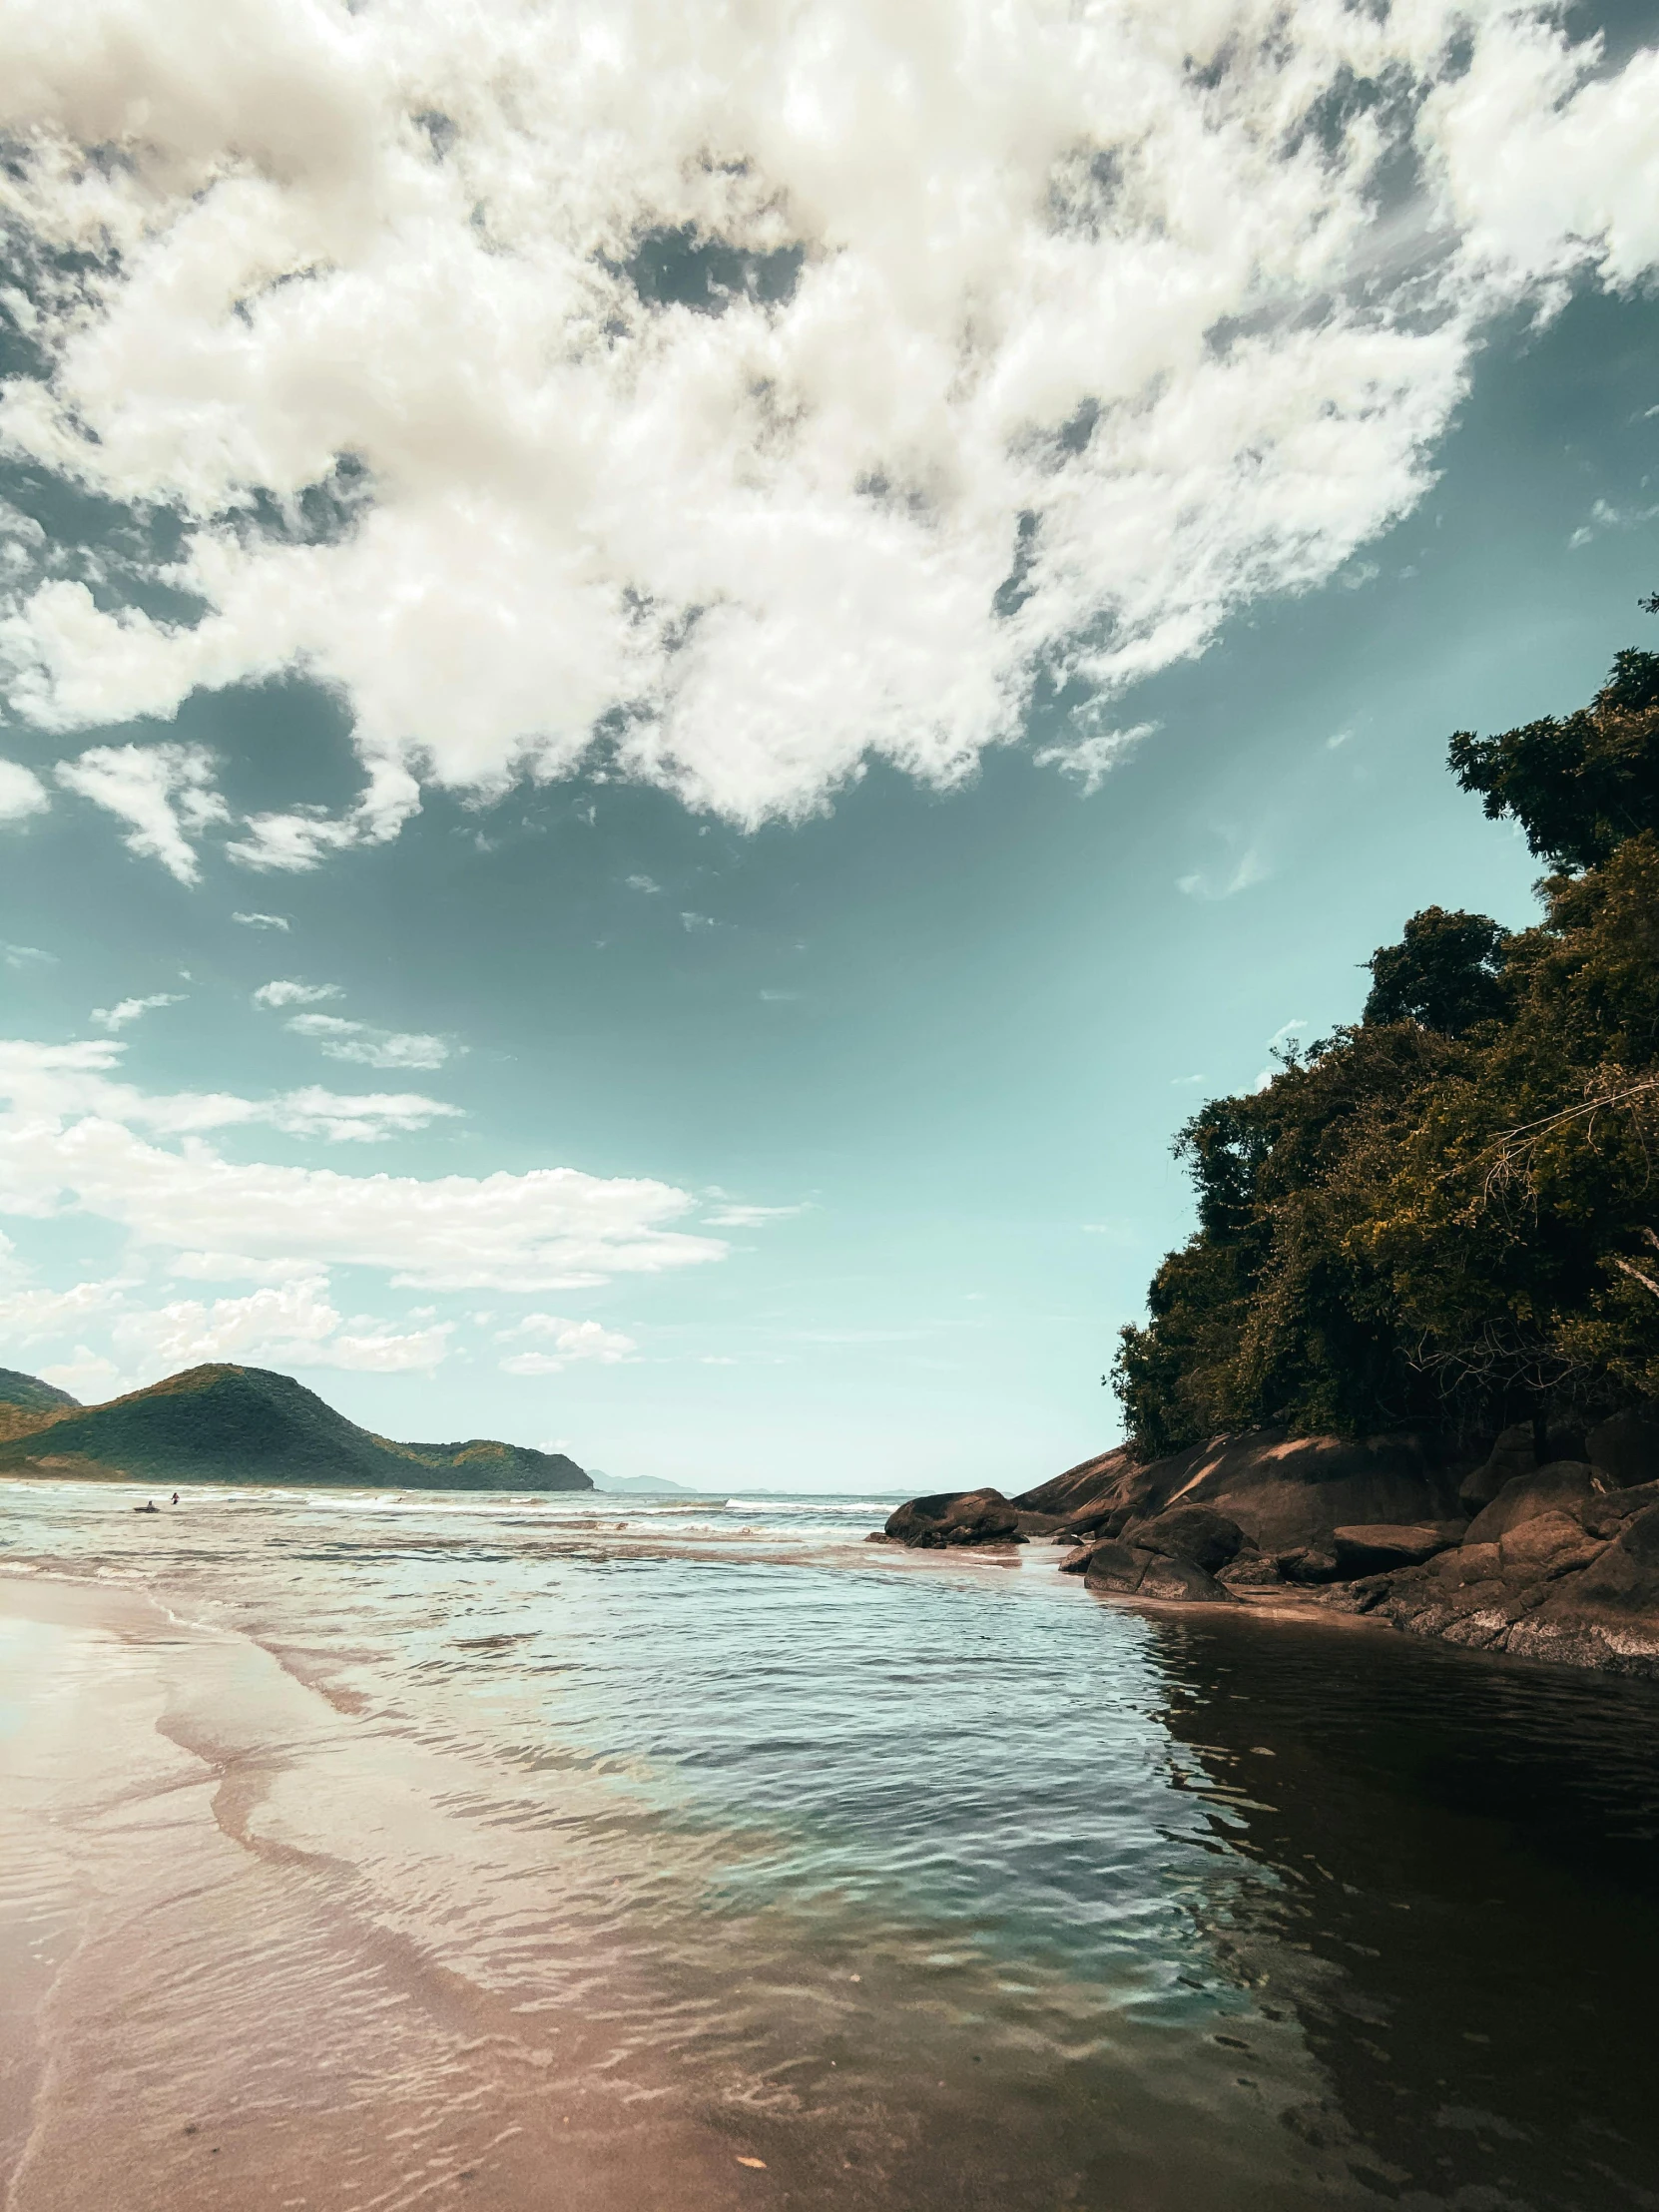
<point x="225" y="1424"/>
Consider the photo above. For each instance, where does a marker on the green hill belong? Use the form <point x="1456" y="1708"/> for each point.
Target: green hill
<point x="25" y="1402"/>
<point x="248" y="1425"/>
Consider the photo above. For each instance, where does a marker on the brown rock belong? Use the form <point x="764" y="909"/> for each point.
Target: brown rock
<point x="1514" y="1453"/>
<point x="1182" y="1579"/>
<point x="1545" y="1546"/>
<point x="1129" y="1572"/>
<point x="1376" y="1548"/>
<point x="1606" y="1515"/>
<point x="955" y="1517"/>
<point x="1566" y="1485"/>
<point x="1115" y="1565"/>
<point x="1195" y="1534"/>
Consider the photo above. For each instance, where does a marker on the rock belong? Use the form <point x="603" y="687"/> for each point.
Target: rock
<point x="1197" y="1535"/>
<point x="1625" y="1451"/>
<point x="1543" y="1547"/>
<point x="1098" y="1481"/>
<point x="1564" y="1485"/>
<point x="1181" y="1579"/>
<point x="1606" y="1515"/>
<point x="1308" y="1563"/>
<point x="955" y="1517"/>
<point x="1514" y="1453"/>
<point x="1114" y="1565"/>
<point x="1251" y="1570"/>
<point x="1625" y="1576"/>
<point x="1381" y="1546"/>
<point x="1128" y="1571"/>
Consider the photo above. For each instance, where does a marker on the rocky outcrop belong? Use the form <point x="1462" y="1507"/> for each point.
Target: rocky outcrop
<point x="1557" y="1561"/>
<point x="1564" y="1487"/>
<point x="1285" y="1493"/>
<point x="1176" y="1555"/>
<point x="956" y="1517"/>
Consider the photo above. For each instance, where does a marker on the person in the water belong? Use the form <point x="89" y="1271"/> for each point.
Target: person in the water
<point x="175" y="1498"/>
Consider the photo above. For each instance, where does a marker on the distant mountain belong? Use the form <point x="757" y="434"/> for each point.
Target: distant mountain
<point x="640" y="1485"/>
<point x="248" y="1425"/>
<point x="25" y="1398"/>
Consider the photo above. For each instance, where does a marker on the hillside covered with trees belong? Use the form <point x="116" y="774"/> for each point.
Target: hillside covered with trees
<point x="1448" y="1210"/>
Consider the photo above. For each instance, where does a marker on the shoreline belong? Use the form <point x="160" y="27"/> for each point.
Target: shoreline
<point x="200" y="2010"/>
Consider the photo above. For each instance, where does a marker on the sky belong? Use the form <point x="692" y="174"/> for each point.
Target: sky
<point x="675" y="684"/>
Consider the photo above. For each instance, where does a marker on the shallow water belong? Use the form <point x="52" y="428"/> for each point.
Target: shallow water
<point x="928" y="1883"/>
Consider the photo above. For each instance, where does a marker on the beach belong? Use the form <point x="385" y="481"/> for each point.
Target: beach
<point x="200" y="2011"/>
<point x="365" y="1852"/>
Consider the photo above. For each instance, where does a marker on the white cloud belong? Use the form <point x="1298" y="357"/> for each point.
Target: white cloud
<point x="264" y="922"/>
<point x="164" y="791"/>
<point x="1103" y="321"/>
<point x="293" y="1324"/>
<point x="752" y="1217"/>
<point x="33" y="1314"/>
<point x="71" y="1141"/>
<point x="571" y="1339"/>
<point x="22" y="793"/>
<point x="368" y="1047"/>
<point x="295" y="994"/>
<point x="1092" y="759"/>
<point x="88" y="1376"/>
<point x="54" y="1081"/>
<point x="132" y="1009"/>
<point x="644" y="884"/>
<point x="27" y="956"/>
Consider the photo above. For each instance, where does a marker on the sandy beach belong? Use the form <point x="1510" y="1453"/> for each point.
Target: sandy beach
<point x="200" y="2012"/>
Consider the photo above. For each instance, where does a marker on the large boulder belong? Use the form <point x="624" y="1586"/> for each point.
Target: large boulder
<point x="1380" y="1547"/>
<point x="956" y="1517"/>
<point x="1105" y="1482"/>
<point x="1516" y="1453"/>
<point x="1288" y="1494"/>
<point x="1197" y="1535"/>
<point x="1543" y="1547"/>
<point x="1126" y="1570"/>
<point x="1567" y="1485"/>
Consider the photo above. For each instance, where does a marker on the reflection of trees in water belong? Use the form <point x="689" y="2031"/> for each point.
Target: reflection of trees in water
<point x="1460" y="1901"/>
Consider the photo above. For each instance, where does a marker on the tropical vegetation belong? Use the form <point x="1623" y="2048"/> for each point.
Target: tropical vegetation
<point x="1448" y="1210"/>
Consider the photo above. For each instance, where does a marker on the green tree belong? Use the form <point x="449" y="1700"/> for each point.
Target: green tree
<point x="1443" y="973"/>
<point x="1449" y="1210"/>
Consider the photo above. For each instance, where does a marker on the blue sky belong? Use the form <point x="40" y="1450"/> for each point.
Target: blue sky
<point x="732" y="1019"/>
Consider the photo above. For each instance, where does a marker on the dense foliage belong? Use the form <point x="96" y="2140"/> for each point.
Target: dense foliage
<point x="1450" y="1209"/>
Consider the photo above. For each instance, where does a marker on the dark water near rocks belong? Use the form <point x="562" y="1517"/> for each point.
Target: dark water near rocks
<point x="944" y="1883"/>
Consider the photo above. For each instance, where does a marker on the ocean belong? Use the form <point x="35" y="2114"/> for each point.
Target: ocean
<point x="448" y="1848"/>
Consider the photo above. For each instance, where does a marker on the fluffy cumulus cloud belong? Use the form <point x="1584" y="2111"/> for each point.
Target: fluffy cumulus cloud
<point x="729" y="399"/>
<point x="565" y="1342"/>
<point x="76" y="1140"/>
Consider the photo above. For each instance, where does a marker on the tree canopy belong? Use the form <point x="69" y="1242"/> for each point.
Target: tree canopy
<point x="1449" y="1208"/>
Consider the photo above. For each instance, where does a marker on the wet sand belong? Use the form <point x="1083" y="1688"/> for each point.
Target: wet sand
<point x="197" y="2013"/>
